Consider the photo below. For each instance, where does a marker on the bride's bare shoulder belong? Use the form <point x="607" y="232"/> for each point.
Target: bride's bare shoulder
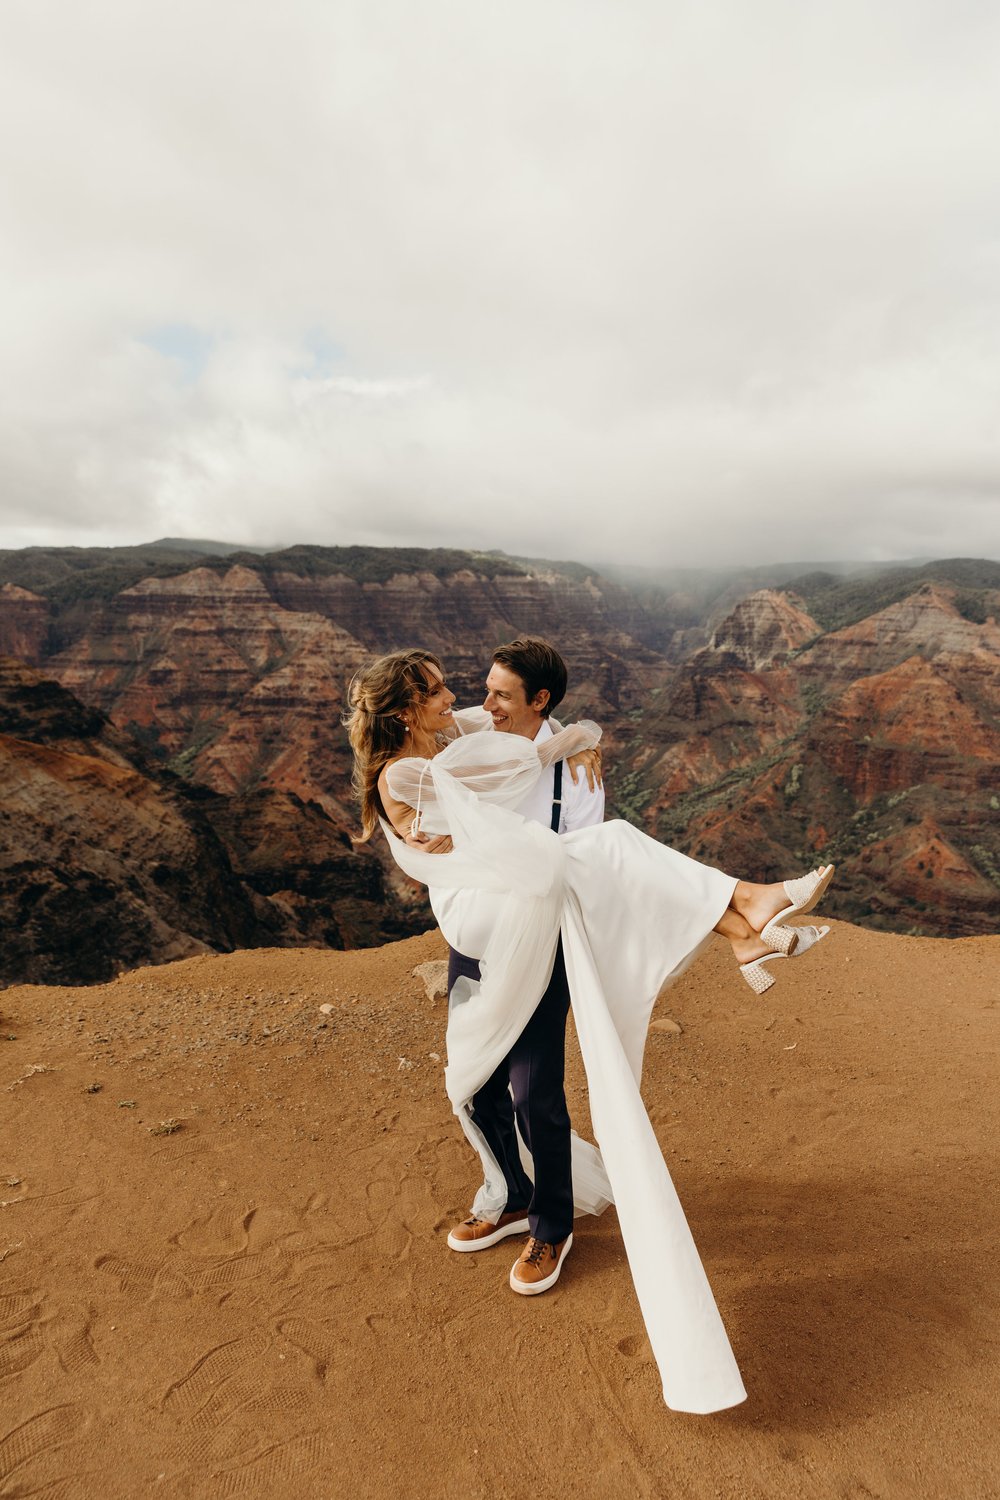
<point x="398" y="812"/>
<point x="383" y="775"/>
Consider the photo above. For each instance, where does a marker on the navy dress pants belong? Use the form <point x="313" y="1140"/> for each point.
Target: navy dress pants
<point x="533" y="1072"/>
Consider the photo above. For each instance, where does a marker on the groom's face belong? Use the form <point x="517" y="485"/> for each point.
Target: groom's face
<point x="507" y="703"/>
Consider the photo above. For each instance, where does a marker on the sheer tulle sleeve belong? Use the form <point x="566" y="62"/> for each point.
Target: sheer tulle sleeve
<point x="584" y="735"/>
<point x="469" y="790"/>
<point x="499" y="769"/>
<point x="471" y="720"/>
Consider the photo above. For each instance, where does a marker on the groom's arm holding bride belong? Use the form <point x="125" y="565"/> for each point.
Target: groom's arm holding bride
<point x="582" y="798"/>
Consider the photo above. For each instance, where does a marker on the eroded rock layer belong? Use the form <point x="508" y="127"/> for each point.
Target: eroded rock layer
<point x="108" y="860"/>
<point x="876" y="746"/>
<point x="858" y="721"/>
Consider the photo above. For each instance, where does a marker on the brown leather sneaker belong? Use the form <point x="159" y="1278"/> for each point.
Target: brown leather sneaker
<point x="538" y="1267"/>
<point x="480" y="1234"/>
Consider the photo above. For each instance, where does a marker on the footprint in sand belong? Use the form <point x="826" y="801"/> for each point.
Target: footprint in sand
<point x="224" y="1237"/>
<point x="71" y="1336"/>
<point x="187" y="1396"/>
<point x="228" y="1427"/>
<point x="21" y="1339"/>
<point x="16" y="1306"/>
<point x="273" y="1471"/>
<point x="72" y="1487"/>
<point x="317" y="1343"/>
<point x="379" y="1323"/>
<point x="604" y="1393"/>
<point x="392" y="1238"/>
<point x="233" y="1272"/>
<point x="229" y="1397"/>
<point x="320" y="1264"/>
<point x="225" y="1232"/>
<point x="34" y="1440"/>
<point x="144" y="1278"/>
<point x="249" y="1397"/>
<point x="398" y="1210"/>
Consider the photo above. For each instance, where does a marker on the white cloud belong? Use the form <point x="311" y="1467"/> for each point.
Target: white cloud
<point x="610" y="281"/>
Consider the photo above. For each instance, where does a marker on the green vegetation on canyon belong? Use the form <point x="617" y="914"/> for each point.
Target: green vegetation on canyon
<point x="756" y="721"/>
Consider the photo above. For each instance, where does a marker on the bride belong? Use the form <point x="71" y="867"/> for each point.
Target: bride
<point x="631" y="913"/>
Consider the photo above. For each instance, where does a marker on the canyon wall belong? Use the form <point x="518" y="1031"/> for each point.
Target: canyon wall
<point x="762" y="739"/>
<point x="876" y="746"/>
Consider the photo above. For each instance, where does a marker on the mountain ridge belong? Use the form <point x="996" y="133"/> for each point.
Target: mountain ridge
<point x="750" y="740"/>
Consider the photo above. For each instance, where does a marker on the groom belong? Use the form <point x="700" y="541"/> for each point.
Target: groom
<point x="525" y="683"/>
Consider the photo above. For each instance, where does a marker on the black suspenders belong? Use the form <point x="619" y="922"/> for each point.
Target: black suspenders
<point x="556" y="797"/>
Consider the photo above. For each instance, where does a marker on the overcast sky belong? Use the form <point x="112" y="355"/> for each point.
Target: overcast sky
<point x="634" y="280"/>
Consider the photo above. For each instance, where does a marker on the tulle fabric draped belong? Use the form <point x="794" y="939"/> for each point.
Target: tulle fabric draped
<point x="491" y="767"/>
<point x="631" y="913"/>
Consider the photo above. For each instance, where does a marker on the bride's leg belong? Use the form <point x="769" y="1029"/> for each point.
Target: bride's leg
<point x="759" y="903"/>
<point x="752" y="907"/>
<point x="745" y="942"/>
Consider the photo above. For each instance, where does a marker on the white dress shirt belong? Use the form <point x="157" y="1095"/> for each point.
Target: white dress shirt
<point x="581" y="807"/>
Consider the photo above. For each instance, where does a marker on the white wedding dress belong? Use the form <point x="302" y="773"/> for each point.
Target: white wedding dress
<point x="631" y="913"/>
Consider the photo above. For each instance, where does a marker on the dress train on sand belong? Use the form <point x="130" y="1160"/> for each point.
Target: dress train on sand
<point x="632" y="913"/>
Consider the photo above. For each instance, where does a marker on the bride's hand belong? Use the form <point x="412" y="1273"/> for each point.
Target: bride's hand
<point x="590" y="761"/>
<point x="439" y="844"/>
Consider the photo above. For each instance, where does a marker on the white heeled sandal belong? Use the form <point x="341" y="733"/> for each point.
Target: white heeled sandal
<point x="803" y="894"/>
<point x="783" y="940"/>
<point x="759" y="978"/>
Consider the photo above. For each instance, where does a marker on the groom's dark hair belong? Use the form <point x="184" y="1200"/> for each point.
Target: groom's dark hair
<point x="538" y="665"/>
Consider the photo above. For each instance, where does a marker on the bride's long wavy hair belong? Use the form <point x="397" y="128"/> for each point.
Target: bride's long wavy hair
<point x="378" y="695"/>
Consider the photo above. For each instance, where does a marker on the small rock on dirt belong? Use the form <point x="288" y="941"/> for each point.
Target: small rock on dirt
<point x="435" y="978"/>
